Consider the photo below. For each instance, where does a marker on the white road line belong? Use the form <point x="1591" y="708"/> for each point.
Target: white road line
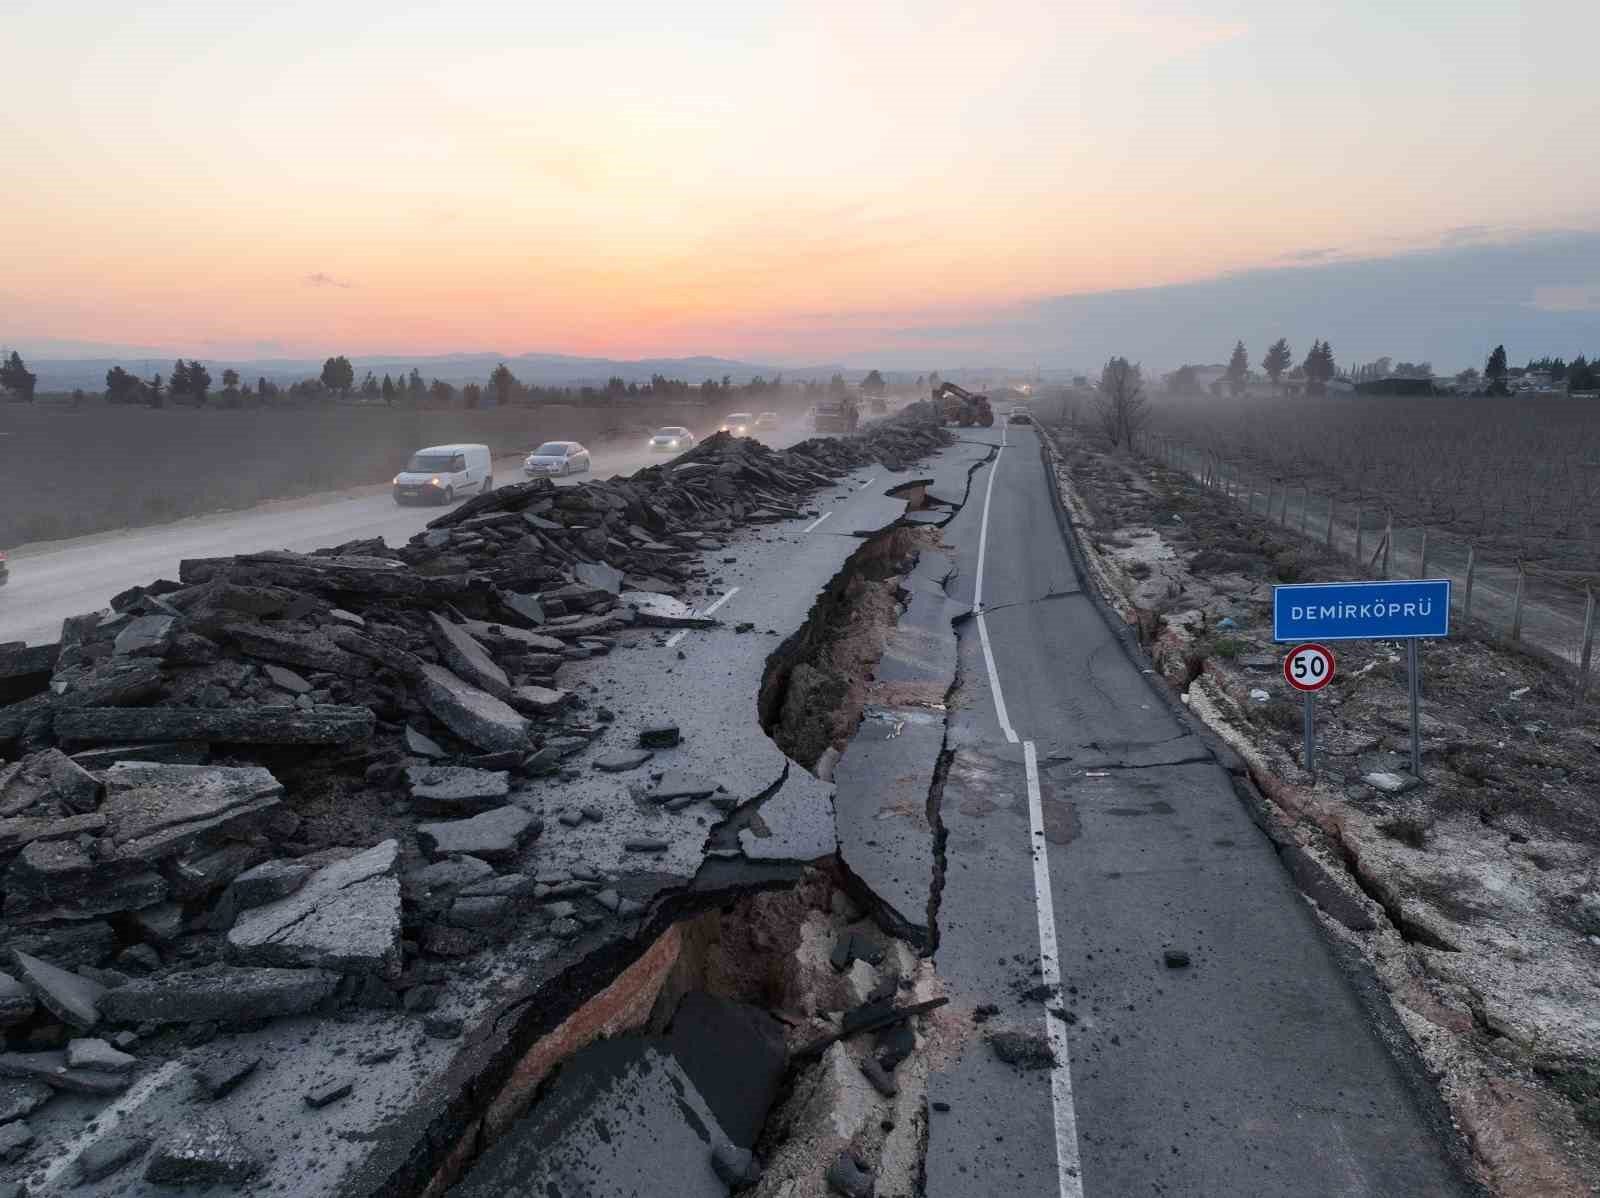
<point x="108" y="1120"/>
<point x="817" y="521"/>
<point x="868" y="483"/>
<point x="683" y="632"/>
<point x="977" y="600"/>
<point x="1069" y="1173"/>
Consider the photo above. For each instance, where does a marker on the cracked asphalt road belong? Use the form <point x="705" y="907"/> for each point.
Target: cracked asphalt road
<point x="1260" y="1067"/>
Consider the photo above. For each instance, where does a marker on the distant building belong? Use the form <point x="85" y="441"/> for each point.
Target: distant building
<point x="1395" y="385"/>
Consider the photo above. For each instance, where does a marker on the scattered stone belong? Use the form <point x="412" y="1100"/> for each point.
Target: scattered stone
<point x="15" y="1138"/>
<point x="618" y="763"/>
<point x="570" y="819"/>
<point x="222" y="993"/>
<point x="1175" y="958"/>
<point x="96" y="1054"/>
<point x="609" y="899"/>
<point x="328" y="1092"/>
<point x="105" y="1157"/>
<point x="849" y="1177"/>
<point x="565" y="929"/>
<point x="204" y="1150"/>
<point x="660" y="736"/>
<point x="479" y="911"/>
<point x="678" y="784"/>
<point x="736" y="1167"/>
<point x="493" y="836"/>
<point x="540" y="700"/>
<point x="475" y="716"/>
<point x="1391" y="783"/>
<point x="19" y="1098"/>
<point x="985" y="1012"/>
<point x="70" y="997"/>
<point x="941" y="1107"/>
<point x="443" y="1027"/>
<point x="423" y="746"/>
<point x="879" y="1077"/>
<point x="592" y="813"/>
<point x="1023" y="1050"/>
<point x="220" y="1076"/>
<point x="346" y="916"/>
<point x="645" y="845"/>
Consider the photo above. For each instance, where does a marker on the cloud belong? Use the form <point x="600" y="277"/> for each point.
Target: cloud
<point x="1317" y="255"/>
<point x="319" y="279"/>
<point x="1561" y="298"/>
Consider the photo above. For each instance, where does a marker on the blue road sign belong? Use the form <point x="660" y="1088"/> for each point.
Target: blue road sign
<point x="1361" y="611"/>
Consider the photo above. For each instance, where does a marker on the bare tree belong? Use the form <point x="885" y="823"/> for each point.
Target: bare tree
<point x="1120" y="405"/>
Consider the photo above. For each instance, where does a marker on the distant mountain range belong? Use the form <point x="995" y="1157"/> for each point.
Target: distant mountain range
<point x="60" y="371"/>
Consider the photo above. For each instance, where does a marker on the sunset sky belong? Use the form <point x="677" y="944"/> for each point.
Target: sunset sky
<point x="786" y="182"/>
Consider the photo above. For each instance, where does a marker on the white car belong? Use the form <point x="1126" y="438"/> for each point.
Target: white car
<point x="556" y="457"/>
<point x="739" y="424"/>
<point x="672" y="439"/>
<point x="441" y="473"/>
<point x="766" y="420"/>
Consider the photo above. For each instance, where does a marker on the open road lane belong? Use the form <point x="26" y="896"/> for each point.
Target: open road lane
<point x="52" y="581"/>
<point x="1088" y="833"/>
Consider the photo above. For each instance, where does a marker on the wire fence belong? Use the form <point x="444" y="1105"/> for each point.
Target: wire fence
<point x="1542" y="608"/>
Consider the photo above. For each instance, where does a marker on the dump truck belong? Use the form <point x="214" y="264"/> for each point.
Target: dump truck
<point x="957" y="405"/>
<point x="838" y="415"/>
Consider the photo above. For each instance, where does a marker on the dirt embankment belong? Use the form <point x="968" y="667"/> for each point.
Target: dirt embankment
<point x="1475" y="896"/>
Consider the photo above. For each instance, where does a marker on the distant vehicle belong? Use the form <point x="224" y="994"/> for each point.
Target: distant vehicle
<point x="441" y="473"/>
<point x="739" y="423"/>
<point x="5" y="570"/>
<point x="840" y="415"/>
<point x="672" y="439"/>
<point x="1020" y="416"/>
<point x="957" y="405"/>
<point x="556" y="457"/>
<point x="767" y="420"/>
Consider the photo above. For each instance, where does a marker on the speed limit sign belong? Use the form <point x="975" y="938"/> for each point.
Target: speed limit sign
<point x="1308" y="667"/>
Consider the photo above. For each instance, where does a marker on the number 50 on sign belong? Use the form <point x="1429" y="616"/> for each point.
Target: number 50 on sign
<point x="1308" y="667"/>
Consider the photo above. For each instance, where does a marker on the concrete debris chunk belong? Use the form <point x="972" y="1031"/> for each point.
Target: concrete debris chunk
<point x="15" y="1139"/>
<point x="96" y="1054"/>
<point x="619" y="763"/>
<point x="680" y="784"/>
<point x="1391" y="783"/>
<point x="268" y="882"/>
<point x="660" y="736"/>
<point x="736" y="1167"/>
<point x="220" y="1076"/>
<point x="154" y="810"/>
<point x="456" y="790"/>
<point x="319" y="724"/>
<point x="346" y="916"/>
<point x="145" y="636"/>
<point x="476" y="717"/>
<point x="468" y="659"/>
<point x="19" y="1098"/>
<point x="70" y="997"/>
<point x="599" y="575"/>
<point x="423" y="746"/>
<point x="50" y="1068"/>
<point x="849" y="1177"/>
<point x="540" y="700"/>
<point x="47" y="776"/>
<point x="222" y="994"/>
<point x="286" y="679"/>
<point x="493" y="836"/>
<point x="105" y="1156"/>
<point x="663" y="611"/>
<point x="328" y="1092"/>
<point x="203" y="1150"/>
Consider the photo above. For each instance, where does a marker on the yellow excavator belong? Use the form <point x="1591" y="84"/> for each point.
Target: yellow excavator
<point x="959" y="406"/>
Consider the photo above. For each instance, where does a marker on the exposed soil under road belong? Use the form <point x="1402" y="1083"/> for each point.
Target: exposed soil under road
<point x="1474" y="896"/>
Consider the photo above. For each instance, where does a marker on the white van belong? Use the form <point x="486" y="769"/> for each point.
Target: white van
<point x="444" y="473"/>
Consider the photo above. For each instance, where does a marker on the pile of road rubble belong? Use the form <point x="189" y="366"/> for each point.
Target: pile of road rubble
<point x="287" y="783"/>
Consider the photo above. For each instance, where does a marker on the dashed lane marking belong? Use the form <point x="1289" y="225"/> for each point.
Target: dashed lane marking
<point x="868" y="483"/>
<point x="108" y="1120"/>
<point x="817" y="521"/>
<point x="683" y="632"/>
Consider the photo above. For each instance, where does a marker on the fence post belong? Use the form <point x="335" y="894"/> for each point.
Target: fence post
<point x="1360" y="537"/>
<point x="1472" y="566"/>
<point x="1422" y="554"/>
<point x="1283" y="508"/>
<point x="1516" y="610"/>
<point x="1305" y="506"/>
<point x="1588" y="643"/>
<point x="1388" y="542"/>
<point x="1328" y="539"/>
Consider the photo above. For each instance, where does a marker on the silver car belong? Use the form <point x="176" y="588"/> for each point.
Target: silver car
<point x="672" y="439"/>
<point x="556" y="457"/>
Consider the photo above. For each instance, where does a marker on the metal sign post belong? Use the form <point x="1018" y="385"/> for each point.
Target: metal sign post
<point x="1309" y="668"/>
<point x="1409" y="610"/>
